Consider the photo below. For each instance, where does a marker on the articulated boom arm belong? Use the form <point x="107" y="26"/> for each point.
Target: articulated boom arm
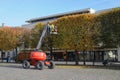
<point x="41" y="38"/>
<point x="47" y="29"/>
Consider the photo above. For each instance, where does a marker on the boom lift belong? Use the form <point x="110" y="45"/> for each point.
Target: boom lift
<point x="39" y="58"/>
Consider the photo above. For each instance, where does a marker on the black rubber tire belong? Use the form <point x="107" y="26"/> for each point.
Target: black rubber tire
<point x="26" y="64"/>
<point x="40" y="65"/>
<point x="52" y="65"/>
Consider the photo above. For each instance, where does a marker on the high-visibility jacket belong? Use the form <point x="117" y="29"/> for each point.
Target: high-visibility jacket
<point x="52" y="28"/>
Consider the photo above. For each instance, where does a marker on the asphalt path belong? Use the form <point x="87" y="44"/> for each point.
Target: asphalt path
<point x="12" y="71"/>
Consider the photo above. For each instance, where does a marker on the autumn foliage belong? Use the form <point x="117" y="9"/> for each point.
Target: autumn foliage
<point x="110" y="28"/>
<point x="78" y="32"/>
<point x="11" y="37"/>
<point x="87" y="31"/>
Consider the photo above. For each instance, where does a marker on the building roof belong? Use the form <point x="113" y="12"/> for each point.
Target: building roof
<point x="88" y="10"/>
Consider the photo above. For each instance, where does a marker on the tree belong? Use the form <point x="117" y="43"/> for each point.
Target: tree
<point x="78" y="32"/>
<point x="75" y="32"/>
<point x="10" y="37"/>
<point x="25" y="37"/>
<point x="110" y="32"/>
<point x="36" y="33"/>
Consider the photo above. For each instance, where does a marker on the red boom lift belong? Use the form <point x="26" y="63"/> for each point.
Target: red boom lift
<point x="39" y="58"/>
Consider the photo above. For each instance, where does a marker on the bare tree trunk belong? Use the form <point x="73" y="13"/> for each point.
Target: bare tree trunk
<point x="84" y="63"/>
<point x="76" y="58"/>
<point x="2" y="55"/>
<point x="94" y="58"/>
<point x="118" y="53"/>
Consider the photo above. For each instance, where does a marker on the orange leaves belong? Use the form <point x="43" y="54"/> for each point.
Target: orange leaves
<point x="10" y="37"/>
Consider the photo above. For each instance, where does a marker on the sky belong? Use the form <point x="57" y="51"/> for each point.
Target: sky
<point x="16" y="12"/>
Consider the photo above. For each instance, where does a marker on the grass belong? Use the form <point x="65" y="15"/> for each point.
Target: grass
<point x="89" y="66"/>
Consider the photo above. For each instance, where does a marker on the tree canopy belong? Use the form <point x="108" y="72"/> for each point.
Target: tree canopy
<point x="11" y="37"/>
<point x="36" y="33"/>
<point x="110" y="31"/>
<point x="77" y="31"/>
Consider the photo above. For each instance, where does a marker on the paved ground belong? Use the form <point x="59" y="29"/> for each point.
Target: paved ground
<point x="81" y="62"/>
<point x="10" y="71"/>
